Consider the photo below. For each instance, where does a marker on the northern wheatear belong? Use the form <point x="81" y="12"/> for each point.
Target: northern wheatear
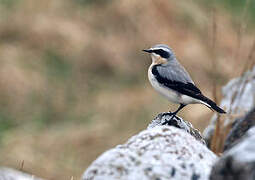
<point x="170" y="79"/>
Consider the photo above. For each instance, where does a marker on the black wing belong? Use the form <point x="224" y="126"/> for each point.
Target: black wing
<point x="176" y="81"/>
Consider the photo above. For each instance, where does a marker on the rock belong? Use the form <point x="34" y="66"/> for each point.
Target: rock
<point x="176" y="122"/>
<point x="238" y="162"/>
<point x="241" y="126"/>
<point x="159" y="153"/>
<point x="238" y="98"/>
<point x="11" y="174"/>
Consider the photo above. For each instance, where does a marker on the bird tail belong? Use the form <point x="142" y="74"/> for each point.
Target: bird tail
<point x="212" y="105"/>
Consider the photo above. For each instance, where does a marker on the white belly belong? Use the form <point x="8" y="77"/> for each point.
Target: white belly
<point x="171" y="95"/>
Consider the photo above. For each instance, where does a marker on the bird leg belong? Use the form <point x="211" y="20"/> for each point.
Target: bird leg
<point x="173" y="114"/>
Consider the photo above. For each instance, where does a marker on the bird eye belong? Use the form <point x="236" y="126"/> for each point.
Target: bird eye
<point x="162" y="53"/>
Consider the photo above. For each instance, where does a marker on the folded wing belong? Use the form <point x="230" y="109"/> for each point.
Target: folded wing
<point x="176" y="79"/>
<point x="179" y="80"/>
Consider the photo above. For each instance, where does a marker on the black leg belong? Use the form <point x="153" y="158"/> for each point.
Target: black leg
<point x="174" y="113"/>
<point x="180" y="107"/>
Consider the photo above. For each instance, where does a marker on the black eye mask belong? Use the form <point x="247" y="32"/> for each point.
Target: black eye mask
<point x="162" y="53"/>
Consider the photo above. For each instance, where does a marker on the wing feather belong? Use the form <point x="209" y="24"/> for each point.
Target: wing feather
<point x="179" y="80"/>
<point x="176" y="79"/>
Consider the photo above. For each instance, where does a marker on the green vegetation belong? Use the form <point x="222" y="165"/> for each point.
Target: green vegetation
<point x="6" y="123"/>
<point x="236" y="8"/>
<point x="9" y="3"/>
<point x="57" y="66"/>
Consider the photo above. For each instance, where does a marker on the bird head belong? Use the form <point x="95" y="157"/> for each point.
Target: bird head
<point x="160" y="54"/>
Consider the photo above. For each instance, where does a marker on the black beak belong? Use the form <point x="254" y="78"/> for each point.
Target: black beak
<point x="147" y="50"/>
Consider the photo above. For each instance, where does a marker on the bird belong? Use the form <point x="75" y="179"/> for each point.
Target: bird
<point x="169" y="78"/>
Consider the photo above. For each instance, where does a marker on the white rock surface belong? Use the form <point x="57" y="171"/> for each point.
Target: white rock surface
<point x="176" y="122"/>
<point x="159" y="153"/>
<point x="11" y="174"/>
<point x="241" y="90"/>
<point x="244" y="151"/>
<point x="239" y="129"/>
<point x="238" y="162"/>
<point x="238" y="98"/>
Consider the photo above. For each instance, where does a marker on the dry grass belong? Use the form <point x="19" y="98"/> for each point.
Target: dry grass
<point x="222" y="128"/>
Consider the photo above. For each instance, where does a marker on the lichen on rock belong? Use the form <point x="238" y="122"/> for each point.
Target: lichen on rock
<point x="238" y="99"/>
<point x="176" y="122"/>
<point x="11" y="174"/>
<point x="238" y="162"/>
<point x="162" y="152"/>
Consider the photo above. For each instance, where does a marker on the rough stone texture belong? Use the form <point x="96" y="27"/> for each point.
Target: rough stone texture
<point x="241" y="126"/>
<point x="176" y="122"/>
<point x="238" y="98"/>
<point x="159" y="153"/>
<point x="238" y="162"/>
<point x="11" y="174"/>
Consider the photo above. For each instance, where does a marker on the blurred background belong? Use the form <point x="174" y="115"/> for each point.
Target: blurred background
<point x="73" y="78"/>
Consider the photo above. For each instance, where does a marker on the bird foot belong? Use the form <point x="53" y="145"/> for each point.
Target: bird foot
<point x="167" y="122"/>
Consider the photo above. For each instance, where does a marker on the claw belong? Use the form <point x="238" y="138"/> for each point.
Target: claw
<point x="173" y="116"/>
<point x="166" y="122"/>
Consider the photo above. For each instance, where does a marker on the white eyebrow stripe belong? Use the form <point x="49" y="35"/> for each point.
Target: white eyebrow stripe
<point x="164" y="49"/>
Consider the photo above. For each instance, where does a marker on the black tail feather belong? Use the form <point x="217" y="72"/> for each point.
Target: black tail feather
<point x="212" y="104"/>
